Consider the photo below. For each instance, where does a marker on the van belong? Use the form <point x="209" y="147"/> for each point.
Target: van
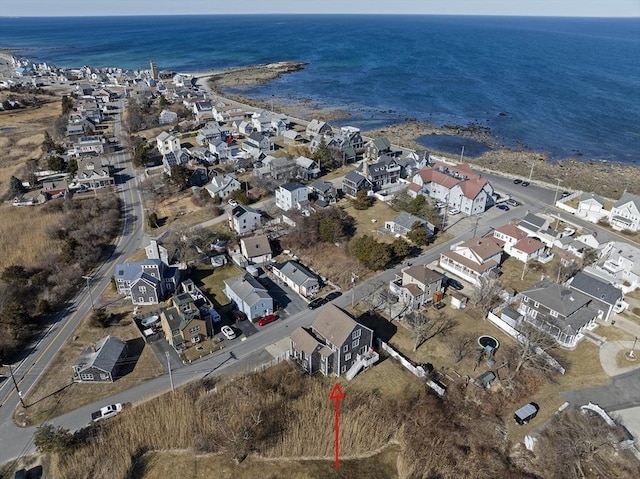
<point x="526" y="413"/>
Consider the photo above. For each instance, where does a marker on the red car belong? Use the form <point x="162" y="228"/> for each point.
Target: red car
<point x="269" y="318"/>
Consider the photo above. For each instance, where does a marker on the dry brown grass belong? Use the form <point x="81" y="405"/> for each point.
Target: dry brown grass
<point x="55" y="394"/>
<point x="380" y="212"/>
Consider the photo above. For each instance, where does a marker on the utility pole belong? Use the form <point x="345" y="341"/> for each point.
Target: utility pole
<point x="531" y="173"/>
<point x="555" y="198"/>
<point x="15" y="385"/>
<point x="89" y="288"/>
<point x="475" y="227"/>
<point x="169" y="368"/>
<point x="353" y="287"/>
<point x="462" y="154"/>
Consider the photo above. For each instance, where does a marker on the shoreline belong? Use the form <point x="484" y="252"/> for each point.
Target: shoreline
<point x="605" y="178"/>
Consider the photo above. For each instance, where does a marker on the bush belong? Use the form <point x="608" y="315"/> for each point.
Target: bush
<point x="50" y="438"/>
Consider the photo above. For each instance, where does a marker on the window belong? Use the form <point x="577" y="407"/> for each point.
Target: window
<point x="142" y="289"/>
<point x="150" y="299"/>
<point x="355" y="344"/>
<point x="345" y="348"/>
<point x="553" y="313"/>
<point x="195" y="329"/>
<point x="536" y="304"/>
<point x="347" y="357"/>
<point x="356" y="334"/>
<point x="343" y="369"/>
<point x="141" y="300"/>
<point x="86" y="377"/>
<point x="525" y="299"/>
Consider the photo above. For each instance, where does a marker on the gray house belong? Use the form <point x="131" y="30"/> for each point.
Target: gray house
<point x="146" y="282"/>
<point x="297" y="277"/>
<point x="248" y="295"/>
<point x="605" y="295"/>
<point x="354" y="182"/>
<point x="101" y="361"/>
<point x="404" y="222"/>
<point x="334" y="344"/>
<point x="256" y="144"/>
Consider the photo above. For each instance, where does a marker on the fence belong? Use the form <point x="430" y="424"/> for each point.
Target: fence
<point x="274" y="362"/>
<point x="408" y="364"/>
<point x="561" y="203"/>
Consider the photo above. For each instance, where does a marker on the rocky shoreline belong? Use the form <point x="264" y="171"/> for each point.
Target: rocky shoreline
<point x="605" y="178"/>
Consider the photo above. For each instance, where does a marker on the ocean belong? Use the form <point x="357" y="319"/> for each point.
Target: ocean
<point x="569" y="87"/>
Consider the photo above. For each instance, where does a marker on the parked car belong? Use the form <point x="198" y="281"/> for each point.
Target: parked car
<point x="238" y="315"/>
<point x="455" y="284"/>
<point x="266" y="319"/>
<point x="316" y="303"/>
<point x="502" y="207"/>
<point x="454" y="211"/>
<point x="439" y="305"/>
<point x="439" y="204"/>
<point x="517" y="181"/>
<point x="233" y="203"/>
<point x="525" y="183"/>
<point x="227" y="332"/>
<point x="526" y="413"/>
<point x="332" y="295"/>
<point x="107" y="411"/>
<point x="512" y="202"/>
<point x="565" y="194"/>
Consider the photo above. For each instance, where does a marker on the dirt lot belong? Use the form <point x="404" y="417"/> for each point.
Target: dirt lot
<point x="55" y="393"/>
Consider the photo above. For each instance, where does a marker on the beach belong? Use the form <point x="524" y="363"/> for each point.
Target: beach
<point x="607" y="179"/>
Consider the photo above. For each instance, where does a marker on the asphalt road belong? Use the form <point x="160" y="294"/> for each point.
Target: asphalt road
<point x="15" y="441"/>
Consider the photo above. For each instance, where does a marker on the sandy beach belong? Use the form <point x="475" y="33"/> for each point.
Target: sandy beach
<point x="605" y="178"/>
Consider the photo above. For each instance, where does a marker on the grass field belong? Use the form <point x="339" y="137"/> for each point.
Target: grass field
<point x="211" y="281"/>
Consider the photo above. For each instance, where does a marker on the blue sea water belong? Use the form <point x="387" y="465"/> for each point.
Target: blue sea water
<point x="566" y="86"/>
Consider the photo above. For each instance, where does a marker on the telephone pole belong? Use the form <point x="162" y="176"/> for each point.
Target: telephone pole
<point x="353" y="287"/>
<point x="169" y="368"/>
<point x="89" y="288"/>
<point x="15" y="385"/>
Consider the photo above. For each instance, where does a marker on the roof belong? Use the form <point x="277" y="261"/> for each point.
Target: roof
<point x="472" y="265"/>
<point x="354" y="177"/>
<point x="257" y="245"/>
<point x="596" y="288"/>
<point x="305" y="341"/>
<point x="322" y="186"/>
<point x="334" y="324"/>
<point x="512" y="231"/>
<point x="297" y="273"/>
<point x="528" y="245"/>
<point x="305" y="162"/>
<point x="423" y="274"/>
<point x="247" y="288"/>
<point x="472" y="187"/>
<point x="134" y="270"/>
<point x="240" y="210"/>
<point x="407" y="220"/>
<point x="591" y="196"/>
<point x="559" y="298"/>
<point x="628" y="198"/>
<point x="381" y="143"/>
<point x="532" y="222"/>
<point x="292" y="186"/>
<point x="483" y="247"/>
<point x="103" y="355"/>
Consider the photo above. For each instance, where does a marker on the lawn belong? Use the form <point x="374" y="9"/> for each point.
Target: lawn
<point x="369" y="221"/>
<point x="55" y="393"/>
<point x="512" y="273"/>
<point x="202" y="349"/>
<point x="211" y="281"/>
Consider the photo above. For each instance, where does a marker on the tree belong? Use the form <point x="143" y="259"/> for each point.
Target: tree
<point x="323" y="156"/>
<point x="15" y="186"/>
<point x="67" y="105"/>
<point x="589" y="256"/>
<point x="463" y="344"/>
<point x="240" y="196"/>
<point x="100" y="318"/>
<point x="152" y="220"/>
<point x="418" y="234"/>
<point x="50" y="438"/>
<point x="424" y="328"/>
<point x="55" y="163"/>
<point x="362" y="200"/>
<point x="487" y="293"/>
<point x="401" y="248"/>
<point x="180" y="176"/>
<point x="48" y="144"/>
<point x="371" y="253"/>
<point x="15" y="274"/>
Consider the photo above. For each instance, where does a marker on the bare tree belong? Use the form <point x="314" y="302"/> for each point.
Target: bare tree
<point x="425" y="328"/>
<point x="487" y="293"/>
<point x="463" y="344"/>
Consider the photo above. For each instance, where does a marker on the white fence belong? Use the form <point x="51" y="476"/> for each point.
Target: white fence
<point x="407" y="364"/>
<point x="274" y="362"/>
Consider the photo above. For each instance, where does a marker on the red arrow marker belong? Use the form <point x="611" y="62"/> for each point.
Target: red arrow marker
<point x="337" y="395"/>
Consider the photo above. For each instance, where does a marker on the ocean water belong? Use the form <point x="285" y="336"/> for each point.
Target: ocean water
<point x="569" y="87"/>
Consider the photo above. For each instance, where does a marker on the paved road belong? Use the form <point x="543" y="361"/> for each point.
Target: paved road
<point x="16" y="441"/>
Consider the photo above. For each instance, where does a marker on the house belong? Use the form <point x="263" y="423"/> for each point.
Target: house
<point x="473" y="259"/>
<point x="591" y="207"/>
<point x="199" y="176"/>
<point x="526" y="249"/>
<point x="458" y="300"/>
<point x="168" y="117"/>
<point x="243" y="127"/>
<point x="538" y="227"/>
<point x="184" y="323"/>
<point x="297" y="277"/>
<point x="317" y="127"/>
<point x="256" y="249"/>
<point x="203" y="110"/>
<point x="291" y="137"/>
<point x="333" y="344"/>
<point x="307" y="168"/>
<point x="377" y="147"/>
<point x="222" y="186"/>
<point x="417" y="285"/>
<point x="88" y="145"/>
<point x="93" y="173"/>
<point x="244" y="219"/>
<point x="404" y="222"/>
<point x="212" y="132"/>
<point x="509" y="235"/>
<point x="292" y="195"/>
<point x="100" y="362"/>
<point x="248" y="296"/>
<point x="606" y="296"/>
<point x="80" y="126"/>
<point x="167" y="143"/>
<point x="562" y="312"/>
<point x="54" y="188"/>
<point x="256" y="144"/>
<point x="323" y="192"/>
<point x="353" y="182"/>
<point x="171" y="159"/>
<point x="621" y="266"/>
<point x="383" y="172"/>
<point x="625" y="213"/>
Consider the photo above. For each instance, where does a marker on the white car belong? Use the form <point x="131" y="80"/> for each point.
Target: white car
<point x="107" y="411"/>
<point x="454" y="211"/>
<point x="228" y="332"/>
<point x="233" y="203"/>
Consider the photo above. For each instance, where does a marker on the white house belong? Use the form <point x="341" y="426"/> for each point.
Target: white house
<point x="591" y="207"/>
<point x="297" y="277"/>
<point x="472" y="259"/>
<point x="526" y="249"/>
<point x="256" y="249"/>
<point x="167" y="143"/>
<point x="222" y="186"/>
<point x="249" y="296"/>
<point x="243" y="219"/>
<point x="625" y="213"/>
<point x="292" y="196"/>
<point x="256" y="144"/>
<point x="621" y="267"/>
